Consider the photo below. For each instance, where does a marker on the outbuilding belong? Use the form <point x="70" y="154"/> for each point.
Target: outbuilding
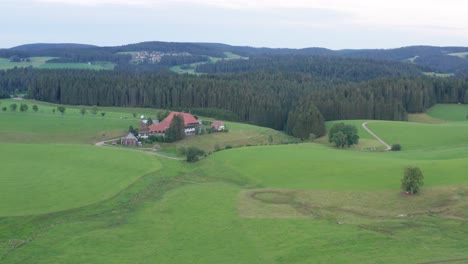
<point x="129" y="140"/>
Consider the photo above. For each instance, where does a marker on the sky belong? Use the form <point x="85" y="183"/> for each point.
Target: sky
<point x="334" y="24"/>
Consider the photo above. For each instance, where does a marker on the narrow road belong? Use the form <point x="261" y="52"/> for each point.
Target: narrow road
<point x="376" y="137"/>
<point x="103" y="144"/>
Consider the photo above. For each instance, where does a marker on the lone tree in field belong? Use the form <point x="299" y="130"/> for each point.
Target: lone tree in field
<point x="35" y="108"/>
<point x="343" y="135"/>
<point x="412" y="180"/>
<point x="61" y="109"/>
<point x="83" y="111"/>
<point x="176" y="129"/>
<point x="103" y="114"/>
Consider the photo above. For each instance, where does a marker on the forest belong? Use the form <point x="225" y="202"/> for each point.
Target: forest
<point x="433" y="59"/>
<point x="270" y="99"/>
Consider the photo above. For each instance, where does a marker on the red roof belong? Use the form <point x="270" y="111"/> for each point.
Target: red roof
<point x="163" y="125"/>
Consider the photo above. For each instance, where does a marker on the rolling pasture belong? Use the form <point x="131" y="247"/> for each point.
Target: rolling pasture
<point x="190" y="68"/>
<point x="61" y="177"/>
<point x="41" y="63"/>
<point x="449" y="112"/>
<point x="296" y="203"/>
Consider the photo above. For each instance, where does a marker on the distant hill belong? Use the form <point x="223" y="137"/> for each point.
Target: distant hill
<point x="51" y="46"/>
<point x="437" y="59"/>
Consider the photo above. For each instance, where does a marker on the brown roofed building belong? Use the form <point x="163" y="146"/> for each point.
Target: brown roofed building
<point x="190" y="122"/>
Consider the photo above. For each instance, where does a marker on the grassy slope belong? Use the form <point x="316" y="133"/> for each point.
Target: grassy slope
<point x="239" y="135"/>
<point x="310" y="166"/>
<point x="40" y="62"/>
<point x="450" y="112"/>
<point x="190" y="213"/>
<point x="74" y="176"/>
<point x="422" y="136"/>
<point x="191" y="70"/>
<point x="44" y="126"/>
<point x="462" y="55"/>
<point x="35" y="62"/>
<point x="193" y="216"/>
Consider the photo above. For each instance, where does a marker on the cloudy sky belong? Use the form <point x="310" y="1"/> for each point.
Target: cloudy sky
<point x="335" y="24"/>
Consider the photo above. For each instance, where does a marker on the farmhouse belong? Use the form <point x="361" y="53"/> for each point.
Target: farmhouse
<point x="129" y="140"/>
<point x="143" y="132"/>
<point x="217" y="125"/>
<point x="190" y="123"/>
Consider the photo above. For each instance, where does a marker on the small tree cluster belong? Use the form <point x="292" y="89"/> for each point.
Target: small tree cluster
<point x="343" y="135"/>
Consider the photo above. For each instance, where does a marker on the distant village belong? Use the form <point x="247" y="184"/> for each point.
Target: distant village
<point x="157" y="131"/>
<point x="155" y="56"/>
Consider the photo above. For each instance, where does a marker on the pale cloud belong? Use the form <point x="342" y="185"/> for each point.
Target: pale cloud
<point x="274" y="23"/>
<point x="449" y="13"/>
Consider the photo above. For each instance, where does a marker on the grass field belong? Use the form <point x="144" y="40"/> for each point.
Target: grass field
<point x="449" y="112"/>
<point x="296" y="203"/>
<point x="45" y="108"/>
<point x="63" y="176"/>
<point x="239" y="135"/>
<point x="35" y="62"/>
<point x="410" y="135"/>
<point x="462" y="55"/>
<point x="191" y="67"/>
<point x="440" y="75"/>
<point x="41" y="63"/>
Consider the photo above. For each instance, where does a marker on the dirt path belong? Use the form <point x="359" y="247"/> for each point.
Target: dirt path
<point x="376" y="137"/>
<point x="103" y="144"/>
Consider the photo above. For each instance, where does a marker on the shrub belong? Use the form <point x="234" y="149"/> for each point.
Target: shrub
<point x="23" y="107"/>
<point x="396" y="147"/>
<point x="194" y="154"/>
<point x="228" y="147"/>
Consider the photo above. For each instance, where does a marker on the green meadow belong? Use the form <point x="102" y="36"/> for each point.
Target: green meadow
<point x="190" y="68"/>
<point x="449" y="112"/>
<point x="462" y="55"/>
<point x="60" y="177"/>
<point x="41" y="63"/>
<point x="286" y="203"/>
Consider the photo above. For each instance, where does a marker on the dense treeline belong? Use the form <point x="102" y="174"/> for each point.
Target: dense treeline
<point x="266" y="99"/>
<point x="319" y="66"/>
<point x="84" y="58"/>
<point x="171" y="60"/>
